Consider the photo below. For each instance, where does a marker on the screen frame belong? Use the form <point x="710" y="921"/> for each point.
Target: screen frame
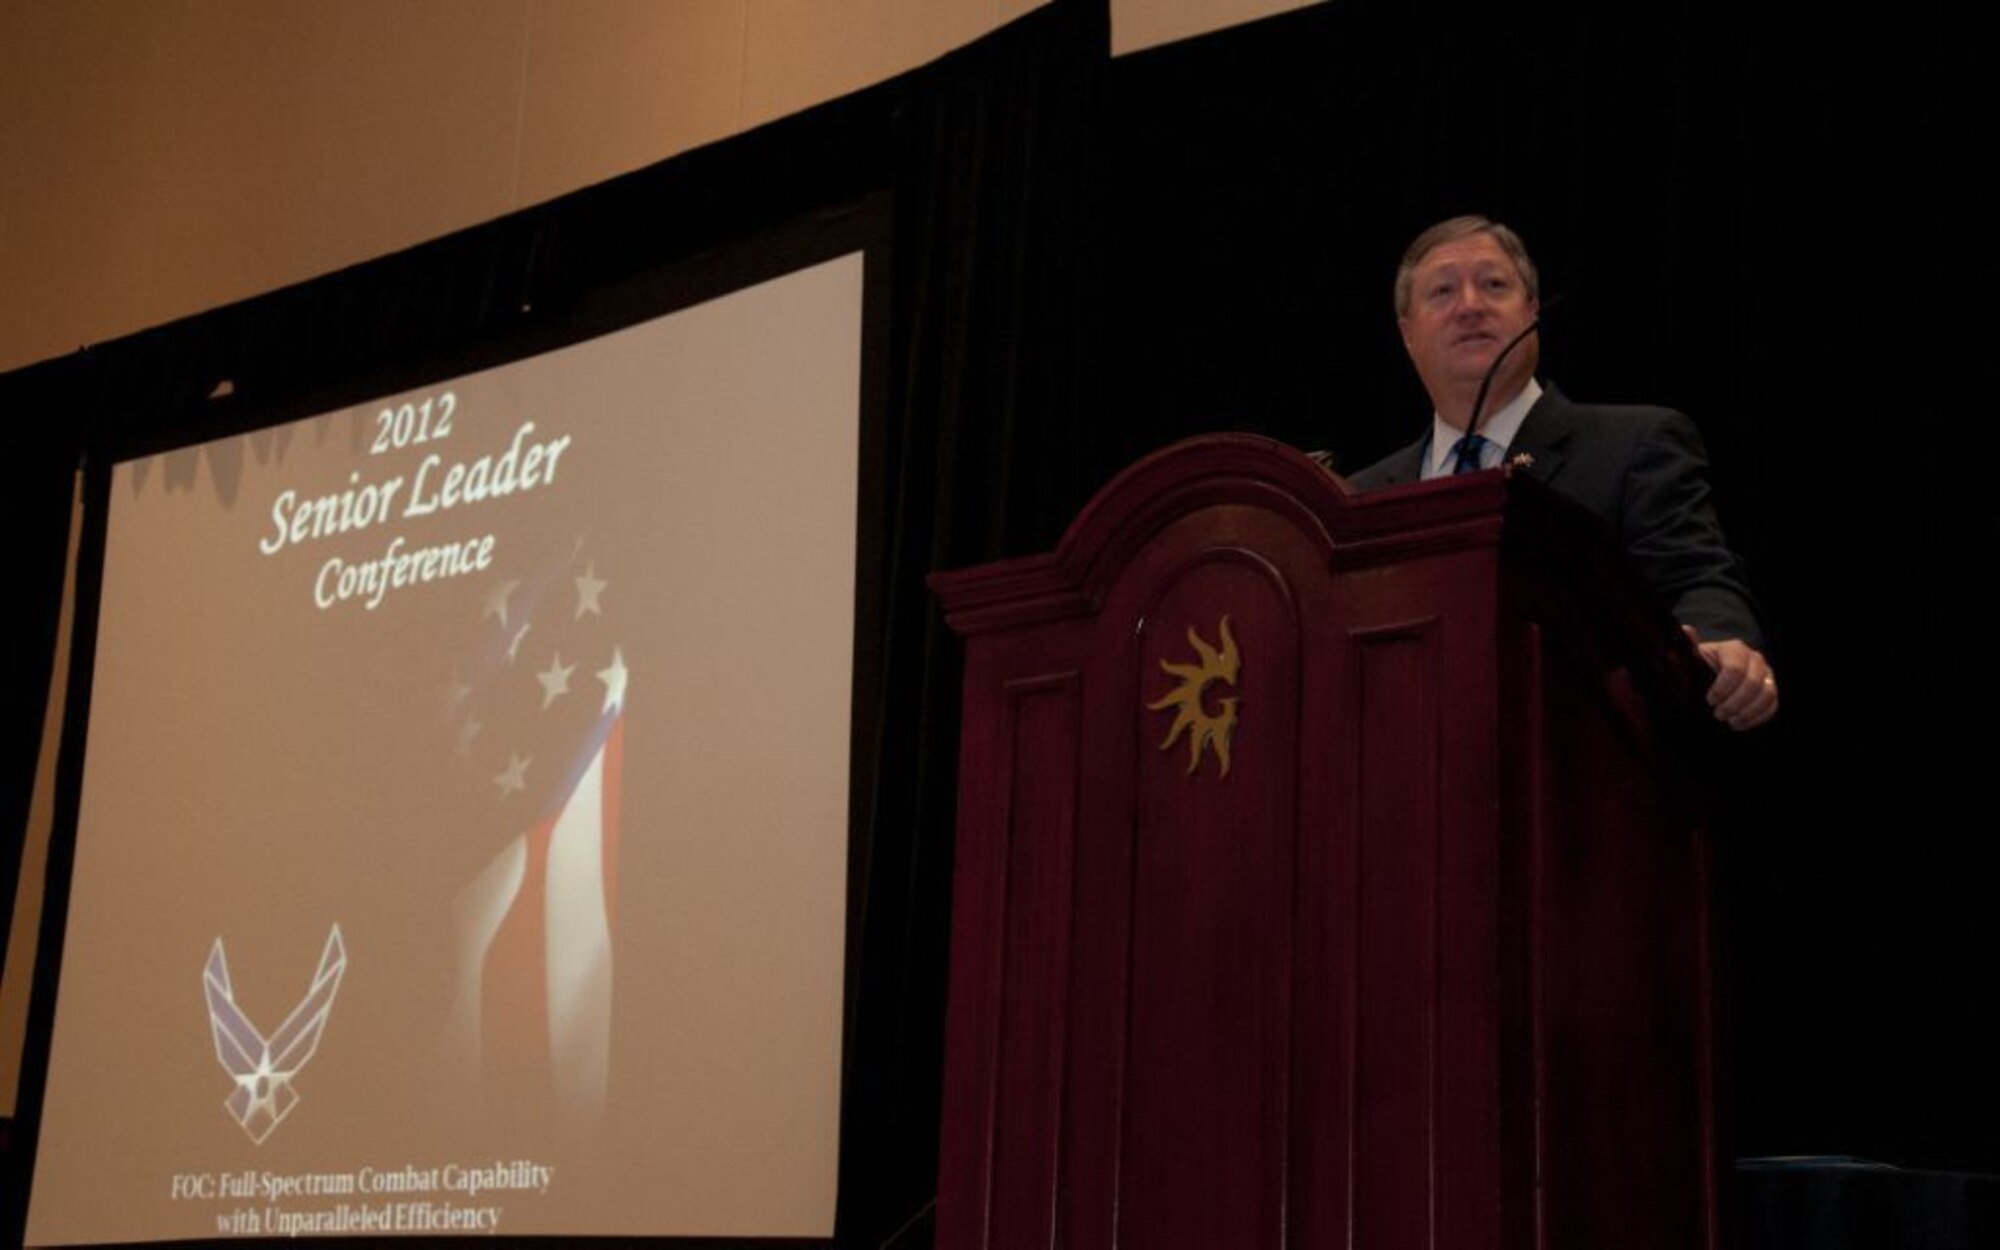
<point x="863" y="225"/>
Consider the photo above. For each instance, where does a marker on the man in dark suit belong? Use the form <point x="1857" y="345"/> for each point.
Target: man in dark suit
<point x="1467" y="288"/>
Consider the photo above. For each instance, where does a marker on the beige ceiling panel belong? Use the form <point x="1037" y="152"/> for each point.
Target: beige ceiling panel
<point x="1138" y="24"/>
<point x="17" y="29"/>
<point x="416" y="115"/>
<point x="160" y="158"/>
<point x="805" y="52"/>
<point x="147" y="173"/>
<point x="1011" y="9"/>
<point x="219" y="181"/>
<point x="33" y="321"/>
<point x="615" y="85"/>
<point x="163" y="158"/>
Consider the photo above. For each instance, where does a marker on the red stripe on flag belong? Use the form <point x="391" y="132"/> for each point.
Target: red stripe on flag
<point x="514" y="981"/>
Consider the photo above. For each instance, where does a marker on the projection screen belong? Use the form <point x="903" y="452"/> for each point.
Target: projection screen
<point x="462" y="837"/>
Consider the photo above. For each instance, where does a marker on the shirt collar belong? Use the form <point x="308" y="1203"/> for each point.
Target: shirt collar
<point x="1498" y="429"/>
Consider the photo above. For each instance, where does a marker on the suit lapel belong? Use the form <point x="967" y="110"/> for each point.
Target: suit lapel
<point x="1406" y="465"/>
<point x="1544" y="436"/>
<point x="1410" y="465"/>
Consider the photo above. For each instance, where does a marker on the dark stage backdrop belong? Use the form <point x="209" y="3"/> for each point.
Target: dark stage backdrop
<point x="1773" y="228"/>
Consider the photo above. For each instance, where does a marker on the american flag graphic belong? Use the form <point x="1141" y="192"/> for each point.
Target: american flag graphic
<point x="538" y="725"/>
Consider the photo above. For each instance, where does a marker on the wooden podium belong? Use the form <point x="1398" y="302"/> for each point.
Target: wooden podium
<point x="1326" y="876"/>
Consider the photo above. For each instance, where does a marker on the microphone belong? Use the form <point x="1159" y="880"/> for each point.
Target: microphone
<point x="1465" y="444"/>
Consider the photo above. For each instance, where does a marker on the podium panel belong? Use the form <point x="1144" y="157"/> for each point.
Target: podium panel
<point x="1324" y="877"/>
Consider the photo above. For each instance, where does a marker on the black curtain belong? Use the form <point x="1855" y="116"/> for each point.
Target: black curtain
<point x="1774" y="227"/>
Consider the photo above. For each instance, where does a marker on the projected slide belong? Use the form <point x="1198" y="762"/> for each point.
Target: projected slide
<point x="463" y="831"/>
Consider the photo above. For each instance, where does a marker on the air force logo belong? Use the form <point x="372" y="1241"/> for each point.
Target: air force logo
<point x="264" y="1067"/>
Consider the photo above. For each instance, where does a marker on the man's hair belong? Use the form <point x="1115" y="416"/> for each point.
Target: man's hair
<point x="1450" y="232"/>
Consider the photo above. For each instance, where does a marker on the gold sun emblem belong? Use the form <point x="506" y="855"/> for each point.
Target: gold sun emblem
<point x="1203" y="730"/>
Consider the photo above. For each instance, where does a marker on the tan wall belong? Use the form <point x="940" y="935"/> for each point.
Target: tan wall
<point x="165" y="156"/>
<point x="1140" y="24"/>
<point x="159" y="157"/>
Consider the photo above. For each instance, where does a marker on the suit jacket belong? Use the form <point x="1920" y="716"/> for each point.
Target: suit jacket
<point x="1643" y="470"/>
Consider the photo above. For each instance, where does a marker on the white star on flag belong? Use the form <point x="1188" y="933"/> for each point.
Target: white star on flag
<point x="515" y="778"/>
<point x="496" y="601"/>
<point x="613" y="678"/>
<point x="555" y="680"/>
<point x="588" y="588"/>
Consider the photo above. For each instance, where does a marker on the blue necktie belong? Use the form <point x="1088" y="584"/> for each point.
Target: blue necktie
<point x="1467" y="451"/>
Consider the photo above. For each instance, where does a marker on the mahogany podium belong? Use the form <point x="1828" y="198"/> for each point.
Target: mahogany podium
<point x="1326" y="876"/>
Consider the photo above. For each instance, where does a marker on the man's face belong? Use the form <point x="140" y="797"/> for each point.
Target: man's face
<point x="1467" y="301"/>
